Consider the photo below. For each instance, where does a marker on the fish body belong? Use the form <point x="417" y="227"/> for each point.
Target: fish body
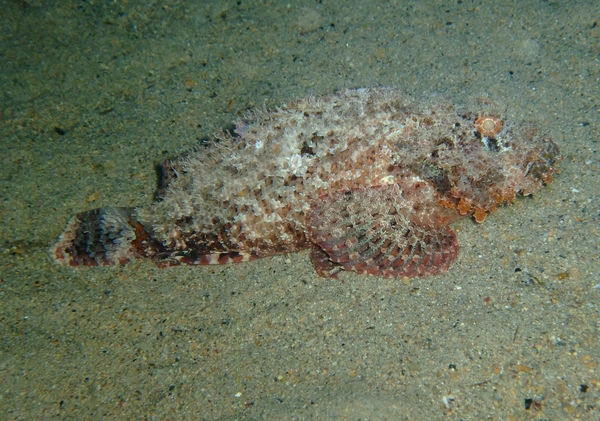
<point x="368" y="179"/>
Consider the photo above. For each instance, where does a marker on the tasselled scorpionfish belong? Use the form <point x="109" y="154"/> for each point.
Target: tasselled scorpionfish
<point x="368" y="179"/>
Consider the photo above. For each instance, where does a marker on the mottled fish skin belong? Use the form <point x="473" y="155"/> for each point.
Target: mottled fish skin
<point x="367" y="178"/>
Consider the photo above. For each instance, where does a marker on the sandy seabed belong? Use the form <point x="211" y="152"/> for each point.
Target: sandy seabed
<point x="95" y="95"/>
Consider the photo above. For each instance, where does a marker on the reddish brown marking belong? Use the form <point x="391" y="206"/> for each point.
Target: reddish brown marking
<point x="236" y="257"/>
<point x="479" y="215"/>
<point x="323" y="265"/>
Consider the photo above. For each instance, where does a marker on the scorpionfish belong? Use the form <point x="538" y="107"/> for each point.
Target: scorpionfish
<point x="368" y="179"/>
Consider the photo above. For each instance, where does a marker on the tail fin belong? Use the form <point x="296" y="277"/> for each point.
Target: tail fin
<point x="105" y="236"/>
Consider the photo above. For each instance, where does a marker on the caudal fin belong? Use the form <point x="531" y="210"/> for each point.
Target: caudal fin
<point x="105" y="236"/>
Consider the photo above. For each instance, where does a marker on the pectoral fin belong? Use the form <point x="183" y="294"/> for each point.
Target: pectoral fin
<point x="396" y="230"/>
